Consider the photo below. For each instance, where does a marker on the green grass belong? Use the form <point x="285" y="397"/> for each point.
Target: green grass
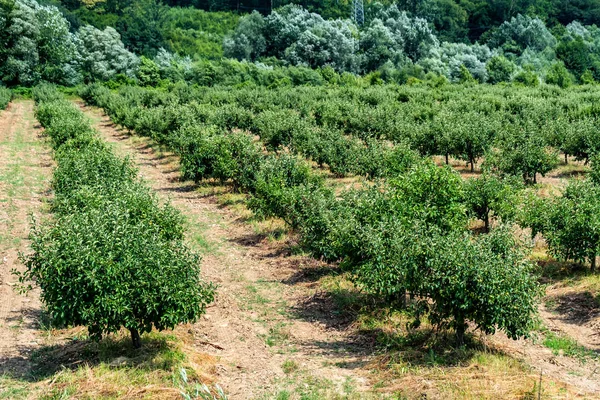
<point x="289" y="366"/>
<point x="566" y="346"/>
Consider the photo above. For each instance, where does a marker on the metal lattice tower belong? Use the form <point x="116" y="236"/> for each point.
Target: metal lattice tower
<point x="358" y="12"/>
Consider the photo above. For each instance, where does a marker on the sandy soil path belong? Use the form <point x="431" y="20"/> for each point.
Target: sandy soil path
<point x="25" y="170"/>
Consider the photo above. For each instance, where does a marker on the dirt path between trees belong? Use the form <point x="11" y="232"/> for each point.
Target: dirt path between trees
<point x="25" y="170"/>
<point x="267" y="318"/>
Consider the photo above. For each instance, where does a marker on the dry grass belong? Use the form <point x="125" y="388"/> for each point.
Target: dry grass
<point x="111" y="369"/>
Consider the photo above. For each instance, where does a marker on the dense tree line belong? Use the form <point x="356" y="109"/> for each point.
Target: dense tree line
<point x="453" y="20"/>
<point x="40" y="44"/>
<point x="393" y="42"/>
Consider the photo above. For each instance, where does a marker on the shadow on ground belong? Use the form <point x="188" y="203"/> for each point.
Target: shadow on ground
<point x="36" y="364"/>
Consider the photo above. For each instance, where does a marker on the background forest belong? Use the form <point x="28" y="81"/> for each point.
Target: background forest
<point x="74" y="41"/>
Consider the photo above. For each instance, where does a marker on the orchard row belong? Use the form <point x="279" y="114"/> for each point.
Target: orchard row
<point x="407" y="233"/>
<point x="112" y="255"/>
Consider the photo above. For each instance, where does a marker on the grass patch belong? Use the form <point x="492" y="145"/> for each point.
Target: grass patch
<point x="289" y="366"/>
<point x="566" y="346"/>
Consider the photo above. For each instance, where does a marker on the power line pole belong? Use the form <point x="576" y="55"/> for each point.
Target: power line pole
<point x="358" y="12"/>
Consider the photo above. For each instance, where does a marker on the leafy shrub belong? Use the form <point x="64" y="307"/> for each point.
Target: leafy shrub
<point x="489" y="195"/>
<point x="103" y="270"/>
<point x="206" y="154"/>
<point x="500" y="69"/>
<point x="273" y="192"/>
<point x="5" y="97"/>
<point x="62" y="121"/>
<point x="573" y="223"/>
<point x="430" y="194"/>
<point x="90" y="166"/>
<point x="559" y="75"/>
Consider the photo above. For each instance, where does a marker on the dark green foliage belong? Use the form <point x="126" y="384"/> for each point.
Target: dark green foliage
<point x="575" y="55"/>
<point x="500" y="69"/>
<point x="559" y="76"/>
<point x="104" y="270"/>
<point x="5" y="97"/>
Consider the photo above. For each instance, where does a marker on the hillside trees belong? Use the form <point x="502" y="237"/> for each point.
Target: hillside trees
<point x="35" y="44"/>
<point x="103" y="55"/>
<point x="520" y="33"/>
<point x="247" y="41"/>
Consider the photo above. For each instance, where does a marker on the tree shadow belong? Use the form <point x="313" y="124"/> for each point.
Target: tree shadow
<point x="311" y="273"/>
<point x="576" y="308"/>
<point x="570" y="174"/>
<point x="36" y="364"/>
<point x="553" y="271"/>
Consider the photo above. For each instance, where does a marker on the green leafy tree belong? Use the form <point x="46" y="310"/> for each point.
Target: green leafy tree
<point x="524" y="154"/>
<point x="489" y="195"/>
<point x="500" y="69"/>
<point x="430" y="194"/>
<point x="140" y="27"/>
<point x="573" y="229"/>
<point x="148" y="73"/>
<point x="98" y="269"/>
<point x="575" y="54"/>
<point x="459" y="278"/>
<point x="247" y="41"/>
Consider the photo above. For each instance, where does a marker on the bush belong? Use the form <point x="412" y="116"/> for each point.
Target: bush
<point x="5" y="97"/>
<point x="206" y="154"/>
<point x="62" y="121"/>
<point x="500" y="69"/>
<point x="103" y="270"/>
<point x="559" y="75"/>
<point x="527" y="77"/>
<point x="273" y="193"/>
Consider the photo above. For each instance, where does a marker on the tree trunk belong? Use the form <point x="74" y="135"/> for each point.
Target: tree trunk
<point x="460" y="333"/>
<point x="486" y="221"/>
<point x="447" y="161"/>
<point x="135" y="338"/>
<point x="472" y="165"/>
<point x="594" y="263"/>
<point x="534" y="178"/>
<point x="566" y="159"/>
